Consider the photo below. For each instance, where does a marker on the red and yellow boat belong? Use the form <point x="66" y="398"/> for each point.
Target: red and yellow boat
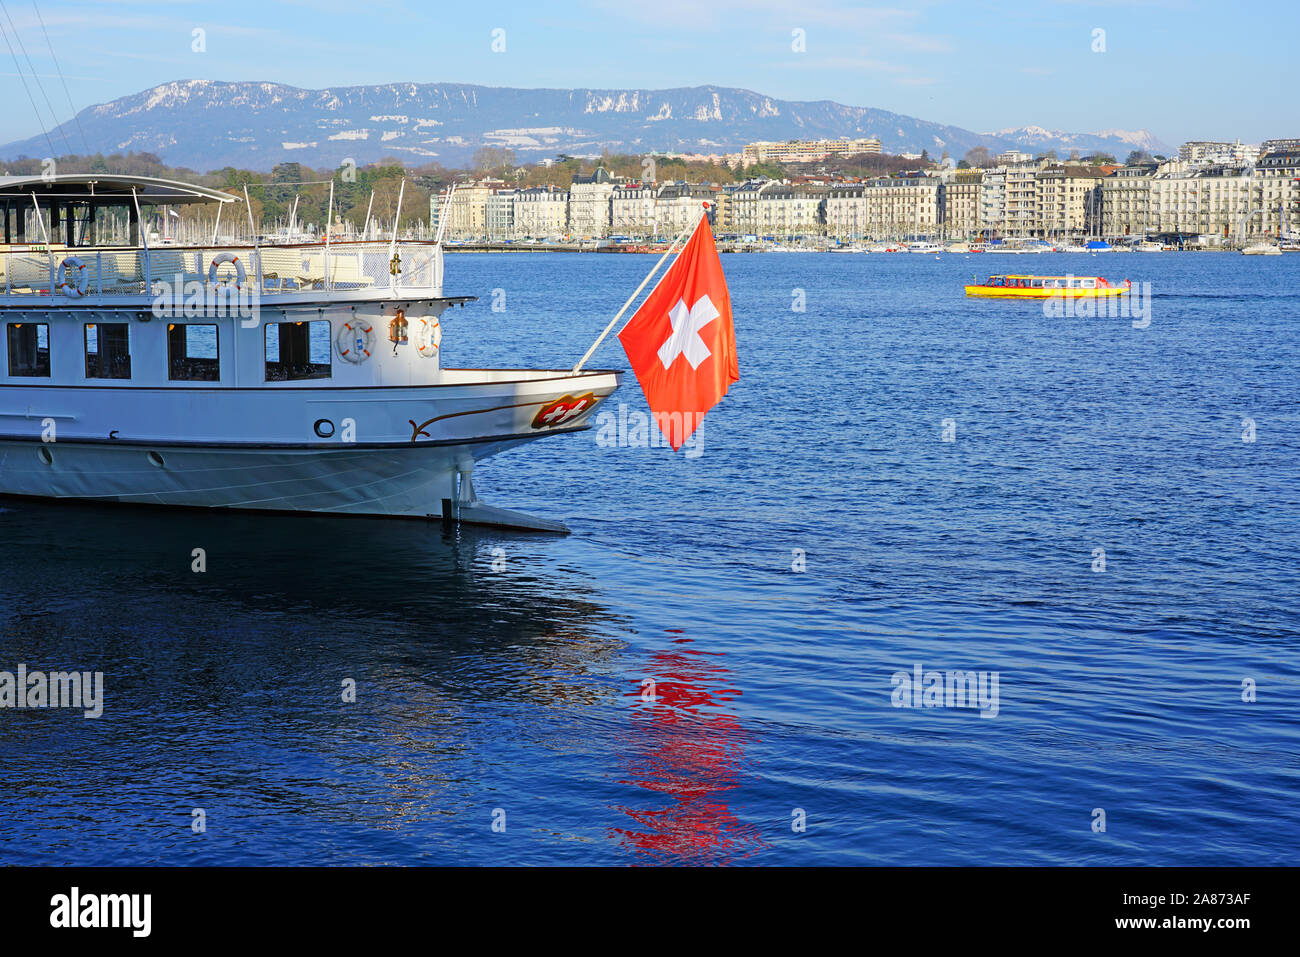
<point x="1045" y="287"/>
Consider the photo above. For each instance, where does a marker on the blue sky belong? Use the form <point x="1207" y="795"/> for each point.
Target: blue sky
<point x="1183" y="69"/>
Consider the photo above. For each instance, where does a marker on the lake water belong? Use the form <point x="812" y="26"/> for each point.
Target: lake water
<point x="502" y="678"/>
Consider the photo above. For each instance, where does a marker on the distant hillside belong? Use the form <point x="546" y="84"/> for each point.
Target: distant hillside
<point x="207" y="124"/>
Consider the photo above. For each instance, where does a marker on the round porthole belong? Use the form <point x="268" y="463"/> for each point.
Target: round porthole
<point x="324" y="428"/>
<point x="45" y="455"/>
<point x="156" y="460"/>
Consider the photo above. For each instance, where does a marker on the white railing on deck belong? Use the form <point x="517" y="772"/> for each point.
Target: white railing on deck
<point x="270" y="270"/>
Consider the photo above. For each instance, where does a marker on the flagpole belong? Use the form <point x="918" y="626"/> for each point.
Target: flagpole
<point x="632" y="298"/>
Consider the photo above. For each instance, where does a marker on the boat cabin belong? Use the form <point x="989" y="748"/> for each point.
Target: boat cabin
<point x="1047" y="282"/>
<point x="85" y="299"/>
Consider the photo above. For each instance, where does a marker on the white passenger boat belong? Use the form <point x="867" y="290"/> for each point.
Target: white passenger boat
<point x="288" y="378"/>
<point x="924" y="247"/>
<point x="1262" y="249"/>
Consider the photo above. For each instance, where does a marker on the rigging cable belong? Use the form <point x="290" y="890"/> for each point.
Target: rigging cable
<point x="76" y="118"/>
<point x="36" y="77"/>
<point x="30" y="98"/>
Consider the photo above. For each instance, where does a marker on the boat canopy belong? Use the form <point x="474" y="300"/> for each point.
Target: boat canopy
<point x="106" y="189"/>
<point x="1098" y="244"/>
<point x="65" y="208"/>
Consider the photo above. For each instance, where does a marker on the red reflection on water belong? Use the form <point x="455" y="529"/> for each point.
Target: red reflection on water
<point x="688" y="748"/>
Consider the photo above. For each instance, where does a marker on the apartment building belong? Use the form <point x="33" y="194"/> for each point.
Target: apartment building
<point x="1069" y="200"/>
<point x="1207" y="152"/>
<point x="993" y="201"/>
<point x="1278" y="172"/>
<point x="740" y="211"/>
<point x="499" y="214"/>
<point x="791" y="210"/>
<point x="807" y="151"/>
<point x="1020" y="212"/>
<point x="467" y="217"/>
<point x="541" y="212"/>
<point x="884" y="208"/>
<point x="590" y="202"/>
<point x="959" y="202"/>
<point x="632" y="209"/>
<point x="678" y="205"/>
<point x="1126" y="200"/>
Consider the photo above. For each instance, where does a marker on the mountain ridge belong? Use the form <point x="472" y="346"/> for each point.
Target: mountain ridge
<point x="209" y="124"/>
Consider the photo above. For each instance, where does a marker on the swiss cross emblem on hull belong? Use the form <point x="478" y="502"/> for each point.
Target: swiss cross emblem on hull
<point x="563" y="410"/>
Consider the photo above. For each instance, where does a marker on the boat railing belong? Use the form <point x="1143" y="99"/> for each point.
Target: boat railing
<point x="266" y="271"/>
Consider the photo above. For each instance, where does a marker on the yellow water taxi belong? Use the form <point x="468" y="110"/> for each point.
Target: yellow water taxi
<point x="1045" y="287"/>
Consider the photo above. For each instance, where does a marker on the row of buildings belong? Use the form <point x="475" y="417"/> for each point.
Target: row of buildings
<point x="1205" y="192"/>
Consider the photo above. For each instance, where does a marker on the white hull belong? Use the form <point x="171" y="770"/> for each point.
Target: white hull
<point x="188" y="458"/>
<point x="410" y="482"/>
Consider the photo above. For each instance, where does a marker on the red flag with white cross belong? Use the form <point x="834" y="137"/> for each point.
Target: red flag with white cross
<point x="682" y="343"/>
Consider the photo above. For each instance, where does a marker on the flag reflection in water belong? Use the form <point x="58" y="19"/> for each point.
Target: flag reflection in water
<point x="688" y="748"/>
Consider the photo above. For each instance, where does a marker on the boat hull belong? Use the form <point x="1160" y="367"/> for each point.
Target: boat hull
<point x="994" y="292"/>
<point x="403" y="452"/>
<point x="401" y="482"/>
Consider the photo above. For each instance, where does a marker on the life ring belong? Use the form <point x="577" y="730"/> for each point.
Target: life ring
<point x="355" y="341"/>
<point x="428" y="338"/>
<point x="77" y="288"/>
<point x="220" y="259"/>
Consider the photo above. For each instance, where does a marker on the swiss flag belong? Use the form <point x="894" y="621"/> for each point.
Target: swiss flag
<point x="682" y="343"/>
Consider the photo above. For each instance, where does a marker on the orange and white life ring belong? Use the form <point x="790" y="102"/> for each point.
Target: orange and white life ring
<point x="76" y="287"/>
<point x="220" y="259"/>
<point x="428" y="338"/>
<point x="355" y="340"/>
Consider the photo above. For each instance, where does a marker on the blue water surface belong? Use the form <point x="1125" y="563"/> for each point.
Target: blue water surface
<point x="503" y="678"/>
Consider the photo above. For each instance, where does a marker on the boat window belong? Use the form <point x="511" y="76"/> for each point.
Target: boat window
<point x="192" y="352"/>
<point x="108" y="350"/>
<point x="1089" y="283"/>
<point x="1037" y="284"/>
<point x="29" y="349"/>
<point x="297" y="350"/>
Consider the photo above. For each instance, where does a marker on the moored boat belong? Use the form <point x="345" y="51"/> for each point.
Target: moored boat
<point x="293" y="378"/>
<point x="1262" y="249"/>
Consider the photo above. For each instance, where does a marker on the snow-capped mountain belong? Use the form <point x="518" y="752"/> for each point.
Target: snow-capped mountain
<point x="208" y="124"/>
<point x="1118" y="142"/>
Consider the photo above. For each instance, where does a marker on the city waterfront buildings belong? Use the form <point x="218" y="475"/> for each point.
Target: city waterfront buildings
<point x="1208" y="196"/>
